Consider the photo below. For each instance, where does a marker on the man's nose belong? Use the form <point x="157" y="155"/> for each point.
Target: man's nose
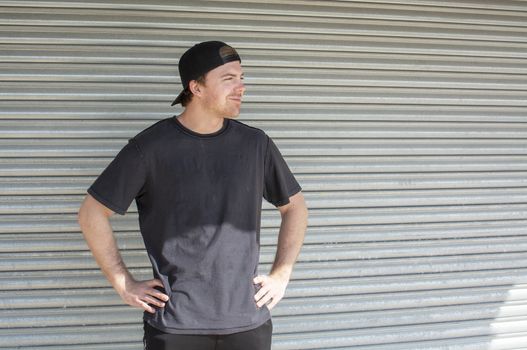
<point x="241" y="87"/>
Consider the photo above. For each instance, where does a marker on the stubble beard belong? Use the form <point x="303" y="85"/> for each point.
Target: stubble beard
<point x="232" y="113"/>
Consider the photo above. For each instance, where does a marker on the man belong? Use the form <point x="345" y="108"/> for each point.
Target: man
<point x="198" y="180"/>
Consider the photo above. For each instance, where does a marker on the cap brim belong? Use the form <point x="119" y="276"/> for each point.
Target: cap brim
<point x="178" y="98"/>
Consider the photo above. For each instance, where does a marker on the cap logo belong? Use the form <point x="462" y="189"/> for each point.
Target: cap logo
<point x="227" y="52"/>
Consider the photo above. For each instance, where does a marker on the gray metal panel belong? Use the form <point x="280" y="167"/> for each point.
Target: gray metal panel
<point x="405" y="122"/>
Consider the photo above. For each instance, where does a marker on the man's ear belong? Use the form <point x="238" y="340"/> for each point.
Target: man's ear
<point x="194" y="87"/>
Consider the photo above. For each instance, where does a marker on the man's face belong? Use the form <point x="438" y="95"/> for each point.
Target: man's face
<point x="223" y="90"/>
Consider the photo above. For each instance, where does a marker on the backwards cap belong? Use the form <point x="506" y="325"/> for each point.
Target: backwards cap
<point x="202" y="58"/>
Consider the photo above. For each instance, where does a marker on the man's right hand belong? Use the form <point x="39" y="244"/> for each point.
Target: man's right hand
<point x="141" y="293"/>
<point x="94" y="220"/>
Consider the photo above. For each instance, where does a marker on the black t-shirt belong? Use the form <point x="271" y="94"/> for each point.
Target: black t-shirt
<point x="199" y="198"/>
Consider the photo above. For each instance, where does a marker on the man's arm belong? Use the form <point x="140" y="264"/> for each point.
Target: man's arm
<point x="94" y="220"/>
<point x="290" y="239"/>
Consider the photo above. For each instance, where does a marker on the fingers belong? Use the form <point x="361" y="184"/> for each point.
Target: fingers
<point x="273" y="303"/>
<point x="270" y="292"/>
<point x="261" y="301"/>
<point x="158" y="295"/>
<point x="153" y="301"/>
<point x="263" y="295"/>
<point x="144" y="295"/>
<point x="154" y="292"/>
<point x="142" y="303"/>
<point x="146" y="307"/>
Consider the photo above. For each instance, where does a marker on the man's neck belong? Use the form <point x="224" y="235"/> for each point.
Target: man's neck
<point x="201" y="123"/>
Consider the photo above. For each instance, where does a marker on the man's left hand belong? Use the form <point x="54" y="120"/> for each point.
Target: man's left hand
<point x="272" y="290"/>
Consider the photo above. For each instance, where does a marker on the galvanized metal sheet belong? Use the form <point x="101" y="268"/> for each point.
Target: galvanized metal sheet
<point x="405" y="122"/>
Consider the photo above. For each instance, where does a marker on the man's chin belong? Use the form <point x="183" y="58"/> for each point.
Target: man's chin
<point x="232" y="115"/>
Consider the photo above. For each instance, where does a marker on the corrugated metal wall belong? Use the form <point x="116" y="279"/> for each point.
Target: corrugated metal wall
<point x="405" y="122"/>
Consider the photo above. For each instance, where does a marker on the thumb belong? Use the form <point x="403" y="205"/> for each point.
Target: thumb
<point x="259" y="279"/>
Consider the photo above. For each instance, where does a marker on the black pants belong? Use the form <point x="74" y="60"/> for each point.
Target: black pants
<point x="254" y="339"/>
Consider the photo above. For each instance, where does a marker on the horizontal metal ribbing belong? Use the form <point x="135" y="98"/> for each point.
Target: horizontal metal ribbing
<point x="318" y="217"/>
<point x="415" y="274"/>
<point x="332" y="9"/>
<point x="31" y="242"/>
<point x="504" y="341"/>
<point x="148" y="58"/>
<point x="403" y="121"/>
<point x="359" y="295"/>
<point x="330" y="199"/>
<point x="382" y="335"/>
<point x="85" y="110"/>
<point x="108" y="76"/>
<point x="363" y="131"/>
<point x="68" y="185"/>
<point x="281" y="94"/>
<point x="288" y="23"/>
<point x="328" y="148"/>
<point x="82" y="260"/>
<point x="500" y="311"/>
<point x="300" y="164"/>
<point x="399" y="334"/>
<point x="509" y="341"/>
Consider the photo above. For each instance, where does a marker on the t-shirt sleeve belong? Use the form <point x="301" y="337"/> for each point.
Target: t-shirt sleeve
<point x="122" y="180"/>
<point x="279" y="181"/>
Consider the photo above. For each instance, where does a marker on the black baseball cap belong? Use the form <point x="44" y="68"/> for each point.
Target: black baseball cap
<point x="202" y="58"/>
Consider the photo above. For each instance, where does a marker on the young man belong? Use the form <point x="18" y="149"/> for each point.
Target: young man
<point x="198" y="180"/>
